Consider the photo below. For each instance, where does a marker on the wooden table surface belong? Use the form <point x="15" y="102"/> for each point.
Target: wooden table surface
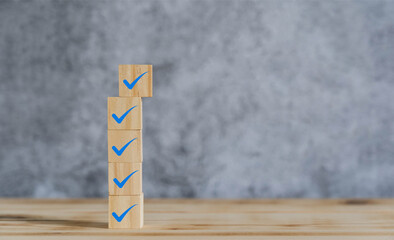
<point x="202" y="219"/>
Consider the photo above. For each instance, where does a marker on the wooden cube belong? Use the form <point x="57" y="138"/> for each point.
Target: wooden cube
<point x="135" y="80"/>
<point x="126" y="211"/>
<point x="125" y="178"/>
<point x="124" y="113"/>
<point x="125" y="146"/>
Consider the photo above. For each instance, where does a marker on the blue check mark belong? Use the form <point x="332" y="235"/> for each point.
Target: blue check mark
<point x="131" y="85"/>
<point x="119" y="152"/>
<point x="121" y="184"/>
<point x="119" y="120"/>
<point x="120" y="218"/>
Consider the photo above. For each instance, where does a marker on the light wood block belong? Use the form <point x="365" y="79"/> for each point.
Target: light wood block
<point x="124" y="113"/>
<point x="125" y="146"/>
<point x="125" y="179"/>
<point x="118" y="205"/>
<point x="141" y="75"/>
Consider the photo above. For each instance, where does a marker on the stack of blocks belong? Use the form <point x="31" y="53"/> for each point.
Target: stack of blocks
<point x="126" y="199"/>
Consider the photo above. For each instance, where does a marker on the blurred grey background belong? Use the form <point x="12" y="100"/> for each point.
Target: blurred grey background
<point x="251" y="98"/>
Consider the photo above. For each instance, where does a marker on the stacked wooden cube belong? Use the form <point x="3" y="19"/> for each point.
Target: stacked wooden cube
<point x="126" y="199"/>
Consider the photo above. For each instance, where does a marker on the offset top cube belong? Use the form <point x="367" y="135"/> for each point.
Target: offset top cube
<point x="135" y="80"/>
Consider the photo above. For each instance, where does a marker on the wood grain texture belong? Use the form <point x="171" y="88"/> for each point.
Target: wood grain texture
<point x="119" y="138"/>
<point x="119" y="106"/>
<point x="134" y="219"/>
<point x="121" y="171"/>
<point x="202" y="219"/>
<point x="143" y="87"/>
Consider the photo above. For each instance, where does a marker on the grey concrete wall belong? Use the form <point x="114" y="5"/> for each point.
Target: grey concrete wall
<point x="251" y="98"/>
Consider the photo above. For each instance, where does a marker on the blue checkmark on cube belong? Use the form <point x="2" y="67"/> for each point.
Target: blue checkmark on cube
<point x="120" y="152"/>
<point x="121" y="184"/>
<point x="120" y="119"/>
<point x="131" y="85"/>
<point x="120" y="218"/>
